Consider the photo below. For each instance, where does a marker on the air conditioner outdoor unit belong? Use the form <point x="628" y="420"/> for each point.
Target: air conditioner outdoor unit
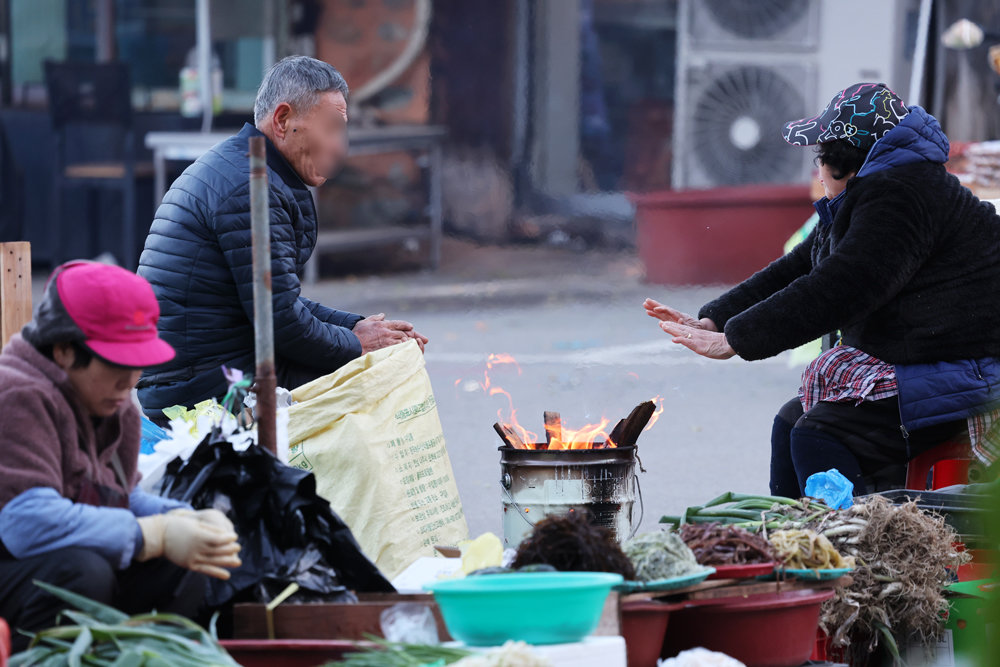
<point x="744" y="68"/>
<point x="733" y="111"/>
<point x="731" y="54"/>
<point x="740" y="24"/>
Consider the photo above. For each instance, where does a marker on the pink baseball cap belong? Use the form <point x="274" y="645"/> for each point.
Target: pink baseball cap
<point x="114" y="311"/>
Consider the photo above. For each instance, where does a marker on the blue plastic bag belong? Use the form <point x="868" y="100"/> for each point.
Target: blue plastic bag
<point x="832" y="488"/>
<point x="151" y="434"/>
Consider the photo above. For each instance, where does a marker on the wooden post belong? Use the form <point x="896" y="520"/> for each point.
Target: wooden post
<point x="15" y="288"/>
<point x="263" y="320"/>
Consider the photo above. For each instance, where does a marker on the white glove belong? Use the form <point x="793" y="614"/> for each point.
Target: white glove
<point x="212" y="517"/>
<point x="184" y="540"/>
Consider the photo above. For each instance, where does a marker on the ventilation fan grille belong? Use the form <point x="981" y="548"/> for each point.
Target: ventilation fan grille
<point x="763" y="25"/>
<point x="733" y="120"/>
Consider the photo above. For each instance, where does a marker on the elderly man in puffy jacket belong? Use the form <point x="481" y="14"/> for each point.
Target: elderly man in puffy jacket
<point x="198" y="252"/>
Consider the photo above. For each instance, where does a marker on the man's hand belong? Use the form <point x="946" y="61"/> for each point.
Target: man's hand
<point x="420" y="338"/>
<point x="668" y="314"/>
<point x="376" y="332"/>
<point x="709" y="344"/>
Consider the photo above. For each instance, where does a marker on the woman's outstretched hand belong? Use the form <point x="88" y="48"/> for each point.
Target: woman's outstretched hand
<point x="668" y="314"/>
<point x="700" y="336"/>
<point x="710" y="344"/>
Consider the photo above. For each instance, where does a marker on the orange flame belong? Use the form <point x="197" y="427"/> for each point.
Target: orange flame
<point x="585" y="437"/>
<point x="492" y="361"/>
<point x="656" y="413"/>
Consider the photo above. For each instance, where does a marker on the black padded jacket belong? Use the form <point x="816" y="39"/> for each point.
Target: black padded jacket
<point x="908" y="271"/>
<point x="198" y="259"/>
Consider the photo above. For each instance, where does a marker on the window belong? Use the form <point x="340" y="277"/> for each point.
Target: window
<point x="156" y="38"/>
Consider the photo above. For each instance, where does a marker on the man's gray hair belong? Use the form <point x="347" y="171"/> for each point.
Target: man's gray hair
<point x="298" y="81"/>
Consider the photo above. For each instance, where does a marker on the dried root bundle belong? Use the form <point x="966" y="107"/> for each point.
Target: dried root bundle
<point x="903" y="558"/>
<point x="721" y="544"/>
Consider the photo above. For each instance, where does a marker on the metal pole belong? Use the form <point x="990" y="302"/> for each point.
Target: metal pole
<point x="521" y="57"/>
<point x="105" y="30"/>
<point x="6" y="71"/>
<point x="203" y="41"/>
<point x="920" y="53"/>
<point x="263" y="317"/>
<point x="437" y="224"/>
<point x="679" y="140"/>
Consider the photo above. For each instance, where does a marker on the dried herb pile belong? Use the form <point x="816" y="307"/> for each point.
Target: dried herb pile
<point x="721" y="544"/>
<point x="660" y="555"/>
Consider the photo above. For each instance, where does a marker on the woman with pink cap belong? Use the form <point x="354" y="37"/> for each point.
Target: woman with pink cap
<point x="71" y="513"/>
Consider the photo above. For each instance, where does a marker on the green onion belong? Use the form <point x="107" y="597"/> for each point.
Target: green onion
<point x="102" y="636"/>
<point x="384" y="653"/>
<point x="752" y="512"/>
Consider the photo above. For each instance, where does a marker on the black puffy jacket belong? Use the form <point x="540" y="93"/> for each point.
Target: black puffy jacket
<point x="908" y="268"/>
<point x="198" y="259"/>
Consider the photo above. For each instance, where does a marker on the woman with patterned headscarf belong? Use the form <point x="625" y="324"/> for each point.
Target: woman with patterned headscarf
<point x="905" y="265"/>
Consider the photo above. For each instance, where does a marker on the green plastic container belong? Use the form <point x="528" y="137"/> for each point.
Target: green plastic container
<point x="537" y="607"/>
<point x="967" y="618"/>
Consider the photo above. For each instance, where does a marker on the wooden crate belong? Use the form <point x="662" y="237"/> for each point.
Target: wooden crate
<point x="15" y="288"/>
<point x="354" y="621"/>
<point x="322" y="620"/>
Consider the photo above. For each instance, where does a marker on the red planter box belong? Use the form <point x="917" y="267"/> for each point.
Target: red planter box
<point x="718" y="236"/>
<point x="644" y="626"/>
<point x="770" y="630"/>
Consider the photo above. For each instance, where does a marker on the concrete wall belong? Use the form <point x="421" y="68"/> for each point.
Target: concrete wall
<point x="556" y="113"/>
<point x="862" y="40"/>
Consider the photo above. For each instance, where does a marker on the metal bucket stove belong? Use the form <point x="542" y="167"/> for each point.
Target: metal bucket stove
<point x="536" y="483"/>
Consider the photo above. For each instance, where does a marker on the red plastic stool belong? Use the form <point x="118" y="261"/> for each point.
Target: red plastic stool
<point x="824" y="651"/>
<point x="950" y="462"/>
<point x="4" y="643"/>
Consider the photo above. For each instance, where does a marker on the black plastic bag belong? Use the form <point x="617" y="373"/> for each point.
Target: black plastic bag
<point x="287" y="532"/>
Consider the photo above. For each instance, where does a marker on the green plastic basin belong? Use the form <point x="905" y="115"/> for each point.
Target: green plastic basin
<point x="536" y="607"/>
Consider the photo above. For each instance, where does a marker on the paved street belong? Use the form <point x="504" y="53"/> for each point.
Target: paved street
<point x="586" y="349"/>
<point x="588" y="360"/>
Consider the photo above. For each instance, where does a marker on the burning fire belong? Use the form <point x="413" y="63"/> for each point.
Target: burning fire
<point x="585" y="437"/>
<point x="656" y="413"/>
<point x="589" y="436"/>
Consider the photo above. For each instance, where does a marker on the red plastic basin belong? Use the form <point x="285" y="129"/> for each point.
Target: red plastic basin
<point x="287" y="652"/>
<point x="644" y="626"/>
<point x="747" y="571"/>
<point x="773" y="630"/>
